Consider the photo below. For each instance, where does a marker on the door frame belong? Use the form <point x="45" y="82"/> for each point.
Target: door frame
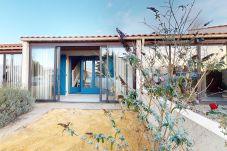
<point x="102" y="97"/>
<point x="81" y="89"/>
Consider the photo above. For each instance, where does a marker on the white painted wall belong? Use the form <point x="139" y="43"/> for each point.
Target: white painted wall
<point x="206" y="133"/>
<point x="25" y="65"/>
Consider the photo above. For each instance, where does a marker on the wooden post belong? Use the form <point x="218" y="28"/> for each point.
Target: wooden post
<point x="198" y="51"/>
<point x="4" y="69"/>
<point x="202" y="85"/>
<point x="139" y="45"/>
<point x="67" y="75"/>
<point x="170" y="68"/>
<point x="25" y="65"/>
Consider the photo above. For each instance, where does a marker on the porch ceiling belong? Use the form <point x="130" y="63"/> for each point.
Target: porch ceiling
<point x="70" y="48"/>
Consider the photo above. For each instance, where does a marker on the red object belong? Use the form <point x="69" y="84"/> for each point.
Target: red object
<point x="213" y="106"/>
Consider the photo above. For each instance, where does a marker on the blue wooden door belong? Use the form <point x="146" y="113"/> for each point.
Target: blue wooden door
<point x="63" y="75"/>
<point x="88" y="79"/>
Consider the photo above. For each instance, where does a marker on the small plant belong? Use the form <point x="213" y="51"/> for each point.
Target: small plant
<point x="101" y="140"/>
<point x="114" y="141"/>
<point x="67" y="128"/>
<point x="215" y="109"/>
<point x="213" y="106"/>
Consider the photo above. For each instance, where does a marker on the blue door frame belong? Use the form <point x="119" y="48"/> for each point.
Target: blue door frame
<point x="81" y="89"/>
<point x="62" y="75"/>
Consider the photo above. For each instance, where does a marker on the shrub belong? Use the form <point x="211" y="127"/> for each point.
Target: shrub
<point x="13" y="102"/>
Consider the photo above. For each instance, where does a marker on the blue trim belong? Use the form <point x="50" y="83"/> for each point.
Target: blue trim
<point x="63" y="75"/>
<point x="90" y="90"/>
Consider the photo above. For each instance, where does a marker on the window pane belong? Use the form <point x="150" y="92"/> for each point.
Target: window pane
<point x="42" y="85"/>
<point x="103" y="72"/>
<point x="87" y="74"/>
<point x="13" y="70"/>
<point x="75" y="72"/>
<point x="207" y="50"/>
<point x="97" y="73"/>
<point x="117" y="73"/>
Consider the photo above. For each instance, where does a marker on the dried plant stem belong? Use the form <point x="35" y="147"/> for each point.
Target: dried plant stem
<point x="197" y="84"/>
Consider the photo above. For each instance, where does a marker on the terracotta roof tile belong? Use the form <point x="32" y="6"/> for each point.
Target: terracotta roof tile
<point x="12" y="46"/>
<point x="220" y="34"/>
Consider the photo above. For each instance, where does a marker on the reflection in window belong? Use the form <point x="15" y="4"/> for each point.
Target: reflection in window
<point x="13" y="70"/>
<point x="97" y="73"/>
<point x="115" y="72"/>
<point x="87" y="74"/>
<point x="42" y="85"/>
<point x="75" y="72"/>
<point x="207" y="50"/>
<point x="156" y="56"/>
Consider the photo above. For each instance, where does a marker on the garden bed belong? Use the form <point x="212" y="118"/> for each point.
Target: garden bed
<point x="205" y="110"/>
<point x="46" y="134"/>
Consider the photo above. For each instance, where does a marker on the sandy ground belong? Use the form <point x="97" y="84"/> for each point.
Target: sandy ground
<point x="41" y="108"/>
<point x="46" y="135"/>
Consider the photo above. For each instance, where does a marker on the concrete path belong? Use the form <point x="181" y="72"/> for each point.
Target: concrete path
<point x="80" y="97"/>
<point x="42" y="108"/>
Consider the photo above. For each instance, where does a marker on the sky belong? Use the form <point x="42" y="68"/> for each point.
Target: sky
<point x="89" y="17"/>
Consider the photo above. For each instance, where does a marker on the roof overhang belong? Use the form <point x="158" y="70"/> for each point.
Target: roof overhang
<point x="10" y="48"/>
<point x="212" y="37"/>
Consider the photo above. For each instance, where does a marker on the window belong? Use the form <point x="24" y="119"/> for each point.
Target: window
<point x="42" y="76"/>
